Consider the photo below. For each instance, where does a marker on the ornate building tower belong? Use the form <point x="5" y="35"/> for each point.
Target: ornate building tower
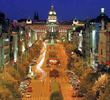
<point x="52" y="24"/>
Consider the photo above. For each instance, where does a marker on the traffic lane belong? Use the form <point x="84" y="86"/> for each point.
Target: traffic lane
<point x="35" y="84"/>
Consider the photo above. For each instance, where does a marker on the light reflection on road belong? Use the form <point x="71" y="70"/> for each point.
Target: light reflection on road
<point x="41" y="62"/>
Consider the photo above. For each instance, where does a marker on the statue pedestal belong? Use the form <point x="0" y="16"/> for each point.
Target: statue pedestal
<point x="52" y="41"/>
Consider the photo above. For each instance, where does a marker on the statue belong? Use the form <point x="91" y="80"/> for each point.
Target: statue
<point x="52" y="41"/>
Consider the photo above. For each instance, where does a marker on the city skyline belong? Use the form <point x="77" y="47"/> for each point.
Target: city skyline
<point x="66" y="10"/>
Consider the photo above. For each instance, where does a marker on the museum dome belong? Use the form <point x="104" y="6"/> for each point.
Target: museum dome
<point x="52" y="11"/>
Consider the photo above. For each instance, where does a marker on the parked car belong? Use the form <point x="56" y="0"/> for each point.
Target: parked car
<point x="27" y="82"/>
<point x="29" y="89"/>
<point x="34" y="60"/>
<point x="36" y="76"/>
<point x="21" y="89"/>
<point x="74" y="94"/>
<point x="31" y="64"/>
<point x="22" y="93"/>
<point x="28" y="95"/>
<point x="80" y="95"/>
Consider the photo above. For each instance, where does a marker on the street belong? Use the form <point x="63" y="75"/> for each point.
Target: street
<point x="40" y="87"/>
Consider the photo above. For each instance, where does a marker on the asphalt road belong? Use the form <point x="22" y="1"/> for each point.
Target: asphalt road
<point x="40" y="87"/>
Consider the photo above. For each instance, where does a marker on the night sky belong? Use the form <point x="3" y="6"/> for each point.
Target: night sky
<point x="65" y="9"/>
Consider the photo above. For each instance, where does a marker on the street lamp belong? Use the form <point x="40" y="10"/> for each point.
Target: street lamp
<point x="72" y="52"/>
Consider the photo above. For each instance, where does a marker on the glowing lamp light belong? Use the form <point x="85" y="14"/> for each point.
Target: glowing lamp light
<point x="102" y="10"/>
<point x="32" y="73"/>
<point x="74" y="28"/>
<point x="21" y="32"/>
<point x="6" y="39"/>
<point x="23" y="49"/>
<point x="29" y="69"/>
<point x="15" y="60"/>
<point x="29" y="34"/>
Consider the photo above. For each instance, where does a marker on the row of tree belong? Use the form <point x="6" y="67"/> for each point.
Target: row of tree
<point x="95" y="85"/>
<point x="14" y="74"/>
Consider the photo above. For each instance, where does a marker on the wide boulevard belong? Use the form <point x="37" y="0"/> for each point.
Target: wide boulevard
<point x="40" y="86"/>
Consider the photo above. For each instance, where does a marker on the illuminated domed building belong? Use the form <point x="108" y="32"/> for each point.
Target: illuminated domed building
<point x="74" y="34"/>
<point x="52" y="24"/>
<point x="75" y="22"/>
<point x="51" y="27"/>
<point x="29" y="21"/>
<point x="52" y="17"/>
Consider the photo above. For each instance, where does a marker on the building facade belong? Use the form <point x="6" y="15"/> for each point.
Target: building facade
<point x="104" y="45"/>
<point x="92" y="30"/>
<point x="4" y="42"/>
<point x="50" y="27"/>
<point x="75" y="34"/>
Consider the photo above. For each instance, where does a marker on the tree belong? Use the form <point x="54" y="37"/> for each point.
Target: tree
<point x="12" y="72"/>
<point x="21" y="70"/>
<point x="32" y="52"/>
<point x="99" y="83"/>
<point x="11" y="84"/>
<point x="36" y="48"/>
<point x="69" y="48"/>
<point x="29" y="57"/>
<point x="103" y="86"/>
<point x="5" y="94"/>
<point x="90" y="95"/>
<point x="65" y="43"/>
<point x="87" y="81"/>
<point x="56" y="96"/>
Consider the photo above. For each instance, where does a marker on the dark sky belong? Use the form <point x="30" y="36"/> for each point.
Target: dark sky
<point x="65" y="9"/>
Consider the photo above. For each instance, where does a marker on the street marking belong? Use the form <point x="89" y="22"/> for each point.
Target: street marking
<point x="38" y="98"/>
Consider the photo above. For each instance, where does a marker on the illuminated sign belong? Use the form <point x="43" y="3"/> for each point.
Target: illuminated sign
<point x="14" y="32"/>
<point x="79" y="25"/>
<point x="6" y="39"/>
<point x="107" y="63"/>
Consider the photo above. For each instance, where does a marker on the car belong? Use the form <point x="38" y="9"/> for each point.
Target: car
<point x="28" y="95"/>
<point x="21" y="89"/>
<point x="74" y="81"/>
<point x="74" y="95"/>
<point x="25" y="85"/>
<point x="31" y="64"/>
<point x="21" y="85"/>
<point x="34" y="60"/>
<point x="22" y="93"/>
<point x="27" y="82"/>
<point x="29" y="89"/>
<point x="27" y="78"/>
<point x="34" y="63"/>
<point x="36" y="76"/>
<point x="80" y="95"/>
<point x="36" y="57"/>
